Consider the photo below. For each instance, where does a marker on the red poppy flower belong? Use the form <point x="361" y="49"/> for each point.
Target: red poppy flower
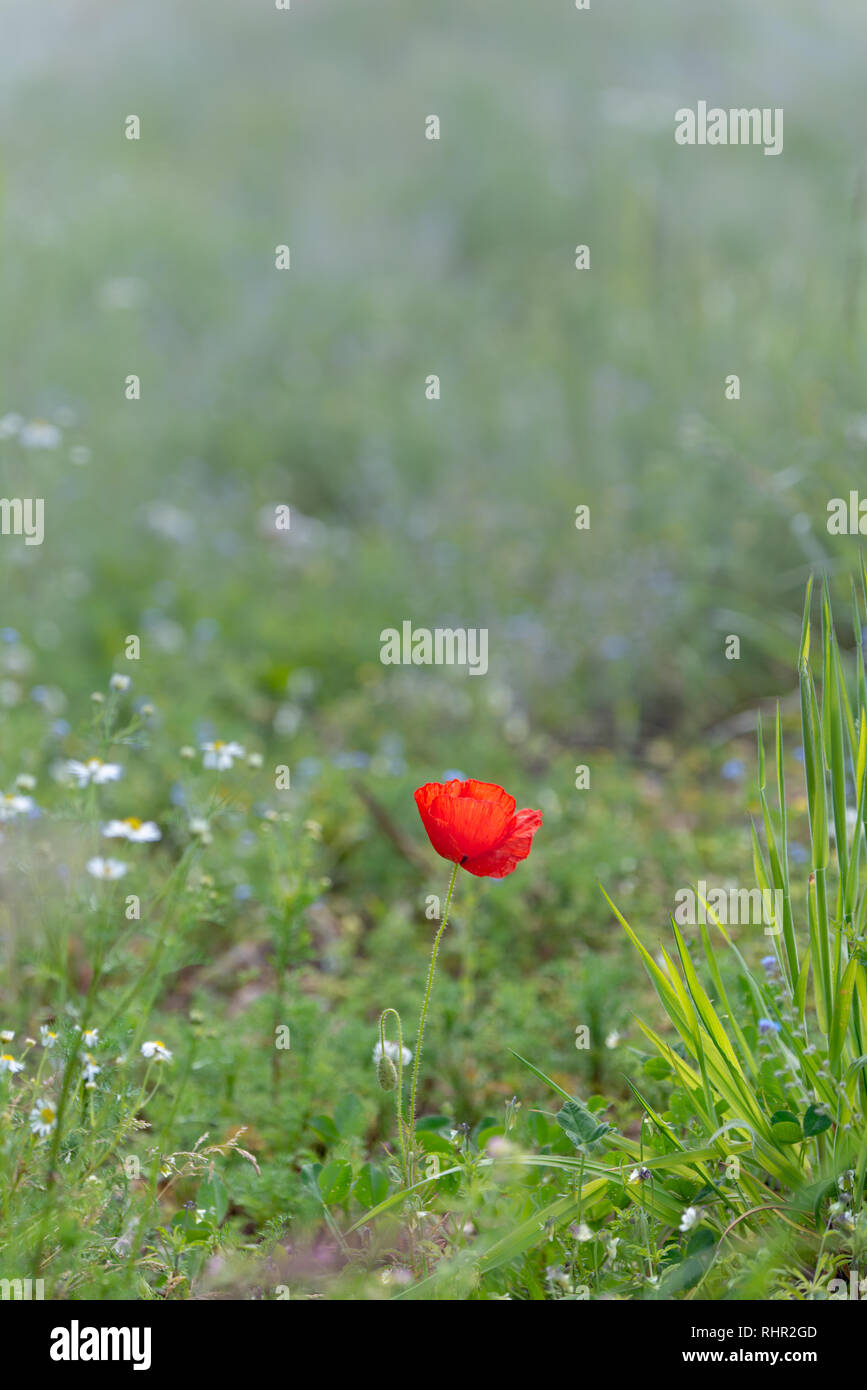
<point x="475" y="824"/>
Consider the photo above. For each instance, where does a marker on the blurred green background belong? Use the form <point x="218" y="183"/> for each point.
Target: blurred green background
<point x="411" y="257"/>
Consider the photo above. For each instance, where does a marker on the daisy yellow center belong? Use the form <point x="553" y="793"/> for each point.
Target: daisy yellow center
<point x="47" y="1114"/>
<point x="7" y="1057"/>
<point x="219" y="744"/>
<point x="133" y="822"/>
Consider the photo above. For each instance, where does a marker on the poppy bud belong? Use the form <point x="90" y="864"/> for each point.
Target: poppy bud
<point x="386" y="1072"/>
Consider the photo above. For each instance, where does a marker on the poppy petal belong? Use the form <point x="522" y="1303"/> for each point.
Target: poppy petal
<point x="477" y="791"/>
<point x="505" y="857"/>
<point x="488" y="791"/>
<point x="463" y="828"/>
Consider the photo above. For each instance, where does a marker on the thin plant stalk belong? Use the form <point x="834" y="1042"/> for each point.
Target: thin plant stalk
<point x="401" y="1133"/>
<point x="424" y="1008"/>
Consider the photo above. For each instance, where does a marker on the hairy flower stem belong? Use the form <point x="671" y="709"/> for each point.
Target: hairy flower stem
<point x="401" y="1133"/>
<point x="423" y="1015"/>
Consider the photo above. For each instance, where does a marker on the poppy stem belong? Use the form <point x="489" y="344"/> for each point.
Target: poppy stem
<point x="423" y="1015"/>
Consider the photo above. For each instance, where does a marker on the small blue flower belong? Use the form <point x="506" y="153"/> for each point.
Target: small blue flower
<point x="452" y="774"/>
<point x="243" y="892"/>
<point x="770" y="965"/>
<point x="8" y="634"/>
<point x="348" y="761"/>
<point x="732" y="770"/>
<point x="769" y="1025"/>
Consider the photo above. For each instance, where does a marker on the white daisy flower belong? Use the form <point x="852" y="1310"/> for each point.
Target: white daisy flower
<point x="613" y="1039"/>
<point x="94" y="770"/>
<point x="91" y="1069"/>
<point x="90" y="1037"/>
<point x="393" y="1051"/>
<point x="255" y="759"/>
<point x="43" y="1118"/>
<point x="220" y="755"/>
<point x="24" y="782"/>
<point x="119" y="682"/>
<point x="106" y="868"/>
<point x="8" y="1063"/>
<point x="689" y="1218"/>
<point x="39" y="434"/>
<point x="7" y="1035"/>
<point x="131" y="828"/>
<point x="199" y="826"/>
<point x="12" y="804"/>
<point x="156" y="1051"/>
<point x="46" y="1037"/>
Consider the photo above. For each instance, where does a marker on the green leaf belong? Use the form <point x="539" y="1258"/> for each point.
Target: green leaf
<point x="657" y="1067"/>
<point x="434" y="1143"/>
<point x="579" y="1125"/>
<point x="324" y="1127"/>
<point x="213" y="1197"/>
<point x="786" y="1127"/>
<point x="842" y="1009"/>
<point x="335" y="1180"/>
<point x="371" y="1186"/>
<point x="815" y="1122"/>
<point x="804" y="652"/>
